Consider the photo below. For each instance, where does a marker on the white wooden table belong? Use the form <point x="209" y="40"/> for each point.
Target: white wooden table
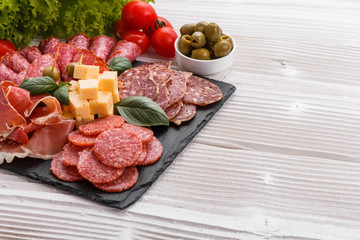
<point x="280" y="160"/>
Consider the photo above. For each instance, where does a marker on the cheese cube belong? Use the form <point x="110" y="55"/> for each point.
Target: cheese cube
<point x="65" y="108"/>
<point x="74" y="85"/>
<point x="108" y="81"/>
<point x="86" y="72"/>
<point x="116" y="97"/>
<point x="88" y="89"/>
<point x="78" y="107"/>
<point x="68" y="115"/>
<point x="80" y="120"/>
<point x="103" y="105"/>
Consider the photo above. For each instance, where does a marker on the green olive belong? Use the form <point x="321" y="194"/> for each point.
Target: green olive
<point x="201" y="54"/>
<point x="185" y="46"/>
<point x="213" y="32"/>
<point x="200" y="26"/>
<point x="227" y="38"/>
<point x="54" y="73"/>
<point x="70" y="69"/>
<point x="187" y="29"/>
<point x="198" y="39"/>
<point x="221" y="48"/>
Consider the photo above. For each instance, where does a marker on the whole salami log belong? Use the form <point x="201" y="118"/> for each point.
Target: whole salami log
<point x="37" y="67"/>
<point x="49" y="45"/>
<point x="126" y="49"/>
<point x="6" y="74"/>
<point x="80" y="41"/>
<point x="102" y="45"/>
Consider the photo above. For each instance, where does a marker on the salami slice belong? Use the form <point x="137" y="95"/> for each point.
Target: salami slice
<point x="24" y="50"/>
<point x="20" y="77"/>
<point x="144" y="134"/>
<point x="187" y="112"/>
<point x="117" y="148"/>
<point x="63" y="172"/>
<point x="93" y="170"/>
<point x="89" y="58"/>
<point x="6" y="60"/>
<point x="201" y="92"/>
<point x="37" y="67"/>
<point x="124" y="182"/>
<point x="142" y="156"/>
<point x="17" y="62"/>
<point x="66" y="56"/>
<point x="49" y="45"/>
<point x="126" y="49"/>
<point x="161" y="73"/>
<point x="154" y="150"/>
<point x="176" y="87"/>
<point x="78" y="139"/>
<point x="79" y="40"/>
<point x="6" y="74"/>
<point x="71" y="154"/>
<point x="173" y="109"/>
<point x="101" y="124"/>
<point x="30" y="53"/>
<point x="102" y="45"/>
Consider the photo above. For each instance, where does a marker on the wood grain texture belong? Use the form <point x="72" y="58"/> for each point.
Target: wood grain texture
<point x="280" y="160"/>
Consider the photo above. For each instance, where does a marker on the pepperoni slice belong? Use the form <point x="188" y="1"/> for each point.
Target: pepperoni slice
<point x="101" y="124"/>
<point x="92" y="169"/>
<point x="118" y="148"/>
<point x="154" y="150"/>
<point x="78" y="139"/>
<point x="187" y="112"/>
<point x="63" y="172"/>
<point x="71" y="154"/>
<point x="124" y="182"/>
<point x="144" y="134"/>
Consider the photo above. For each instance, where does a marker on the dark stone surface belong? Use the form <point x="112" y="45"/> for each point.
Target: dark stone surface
<point x="173" y="138"/>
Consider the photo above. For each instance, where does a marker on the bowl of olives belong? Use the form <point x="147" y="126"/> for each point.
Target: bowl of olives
<point x="204" y="49"/>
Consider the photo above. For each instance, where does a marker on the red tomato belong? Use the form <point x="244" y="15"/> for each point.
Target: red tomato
<point x="163" y="41"/>
<point x="6" y="47"/>
<point x="138" y="14"/>
<point x="137" y="37"/>
<point x="120" y="28"/>
<point x="158" y="23"/>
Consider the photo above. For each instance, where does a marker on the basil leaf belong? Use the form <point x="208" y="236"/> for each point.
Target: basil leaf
<point x="142" y="111"/>
<point x="44" y="84"/>
<point x="62" y="94"/>
<point x="64" y="83"/>
<point x="119" y="64"/>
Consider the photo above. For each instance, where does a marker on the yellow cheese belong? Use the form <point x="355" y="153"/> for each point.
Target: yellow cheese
<point x="103" y="105"/>
<point x="116" y="97"/>
<point x="109" y="82"/>
<point x="88" y="89"/>
<point x="78" y="107"/>
<point x="74" y="85"/>
<point x="80" y="120"/>
<point x="86" y="72"/>
<point x="65" y="108"/>
<point x="68" y="115"/>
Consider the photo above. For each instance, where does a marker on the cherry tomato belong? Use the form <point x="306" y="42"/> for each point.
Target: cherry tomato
<point x="158" y="23"/>
<point x="6" y="47"/>
<point x="163" y="41"/>
<point x="137" y="37"/>
<point x="120" y="28"/>
<point x="138" y="14"/>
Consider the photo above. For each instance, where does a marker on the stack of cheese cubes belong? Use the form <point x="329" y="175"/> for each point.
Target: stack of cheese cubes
<point x="93" y="94"/>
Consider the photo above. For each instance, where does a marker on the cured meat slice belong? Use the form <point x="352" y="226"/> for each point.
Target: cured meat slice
<point x="20" y="77"/>
<point x="79" y="40"/>
<point x="90" y="167"/>
<point x="138" y="81"/>
<point x="124" y="182"/>
<point x="126" y="49"/>
<point x="16" y="62"/>
<point x="201" y="92"/>
<point x="30" y="53"/>
<point x="142" y="156"/>
<point x="144" y="134"/>
<point x="71" y="154"/>
<point x="66" y="56"/>
<point x="173" y="109"/>
<point x="63" y="172"/>
<point x="6" y="74"/>
<point x="37" y="67"/>
<point x="117" y="148"/>
<point x="89" y="58"/>
<point x="187" y="112"/>
<point x="154" y="150"/>
<point x="101" y="124"/>
<point x="161" y="73"/>
<point x="78" y="139"/>
<point x="176" y="87"/>
<point x="49" y="45"/>
<point x="102" y="45"/>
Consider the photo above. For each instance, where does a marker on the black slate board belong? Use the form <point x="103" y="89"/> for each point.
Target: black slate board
<point x="173" y="138"/>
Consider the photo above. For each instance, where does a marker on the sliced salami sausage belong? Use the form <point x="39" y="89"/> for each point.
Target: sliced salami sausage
<point x="71" y="154"/>
<point x="6" y="74"/>
<point x="78" y="139"/>
<point x="126" y="49"/>
<point x="80" y="41"/>
<point x="16" y="62"/>
<point x="118" y="148"/>
<point x="142" y="156"/>
<point x="89" y="58"/>
<point x="49" y="45"/>
<point x="102" y="45"/>
<point x="124" y="182"/>
<point x="173" y="109"/>
<point x="176" y="87"/>
<point x="154" y="150"/>
<point x="63" y="172"/>
<point x="30" y="53"/>
<point x="144" y="134"/>
<point x="187" y="112"/>
<point x="161" y="74"/>
<point x="20" y="77"/>
<point x="93" y="170"/>
<point x="201" y="92"/>
<point x="37" y="67"/>
<point x="24" y="50"/>
<point x="100" y="125"/>
<point x="66" y="56"/>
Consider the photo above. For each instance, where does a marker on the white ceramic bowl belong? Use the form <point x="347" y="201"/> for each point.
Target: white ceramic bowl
<point x="204" y="67"/>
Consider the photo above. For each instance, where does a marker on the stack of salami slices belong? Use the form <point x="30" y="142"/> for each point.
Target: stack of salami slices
<point x="106" y="152"/>
<point x="176" y="92"/>
<point x="30" y="62"/>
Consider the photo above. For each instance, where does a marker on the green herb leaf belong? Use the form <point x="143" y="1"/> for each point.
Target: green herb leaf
<point x="44" y="84"/>
<point x="119" y="64"/>
<point x="62" y="94"/>
<point x="142" y="111"/>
